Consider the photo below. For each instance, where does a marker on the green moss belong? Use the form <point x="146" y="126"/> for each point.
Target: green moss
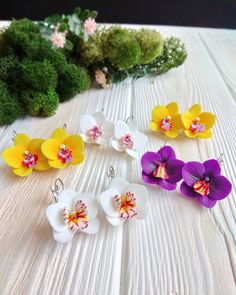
<point x="72" y="80"/>
<point x="151" y="44"/>
<point x="121" y="48"/>
<point x="10" y="108"/>
<point x="7" y="65"/>
<point x="37" y="103"/>
<point x="39" y="75"/>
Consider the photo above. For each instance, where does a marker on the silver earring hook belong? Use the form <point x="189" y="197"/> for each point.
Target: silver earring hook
<point x="102" y="110"/>
<point x="14" y="135"/>
<point x="110" y="174"/>
<point x="220" y="159"/>
<point x="130" y="118"/>
<point x="64" y="126"/>
<point x="58" y="186"/>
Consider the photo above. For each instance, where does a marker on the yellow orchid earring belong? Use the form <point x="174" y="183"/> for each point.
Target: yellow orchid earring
<point x="25" y="155"/>
<point x="63" y="149"/>
<point x="197" y="123"/>
<point x="166" y="119"/>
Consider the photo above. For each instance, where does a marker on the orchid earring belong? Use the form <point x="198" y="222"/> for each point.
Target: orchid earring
<point x="123" y="201"/>
<point x="71" y="213"/>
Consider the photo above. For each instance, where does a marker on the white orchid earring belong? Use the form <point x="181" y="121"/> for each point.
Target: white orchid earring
<point x="123" y="201"/>
<point x="96" y="129"/>
<point x="127" y="138"/>
<point x="72" y="213"/>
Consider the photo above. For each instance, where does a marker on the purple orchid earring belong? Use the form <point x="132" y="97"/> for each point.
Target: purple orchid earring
<point x="204" y="182"/>
<point x="162" y="168"/>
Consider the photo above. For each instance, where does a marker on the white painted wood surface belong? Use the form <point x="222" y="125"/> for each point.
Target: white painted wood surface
<point x="181" y="248"/>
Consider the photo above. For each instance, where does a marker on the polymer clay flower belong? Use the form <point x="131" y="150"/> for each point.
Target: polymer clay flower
<point x="127" y="138"/>
<point x="162" y="168"/>
<point x="73" y="213"/>
<point x="196" y="123"/>
<point x="166" y="119"/>
<point x="204" y="182"/>
<point x="90" y="26"/>
<point x="26" y="155"/>
<point x="123" y="201"/>
<point x="96" y="128"/>
<point x="63" y="149"/>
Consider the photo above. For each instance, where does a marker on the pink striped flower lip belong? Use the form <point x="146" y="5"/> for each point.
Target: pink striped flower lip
<point x="126" y="205"/>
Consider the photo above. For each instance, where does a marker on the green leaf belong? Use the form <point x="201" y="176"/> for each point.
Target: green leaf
<point x="93" y="14"/>
<point x="77" y="11"/>
<point x="53" y="19"/>
<point x="63" y="27"/>
<point x="69" y="45"/>
<point x="85" y="14"/>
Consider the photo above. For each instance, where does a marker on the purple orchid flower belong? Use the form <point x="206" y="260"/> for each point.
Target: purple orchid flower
<point x="162" y="168"/>
<point x="203" y="181"/>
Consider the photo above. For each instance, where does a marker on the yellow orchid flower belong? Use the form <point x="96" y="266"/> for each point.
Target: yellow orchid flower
<point x="166" y="119"/>
<point x="197" y="123"/>
<point x="63" y="149"/>
<point x="25" y="155"/>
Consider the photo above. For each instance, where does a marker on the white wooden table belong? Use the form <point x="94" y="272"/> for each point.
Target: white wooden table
<point x="182" y="248"/>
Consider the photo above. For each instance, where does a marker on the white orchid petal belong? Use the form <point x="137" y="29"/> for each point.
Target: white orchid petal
<point x="66" y="197"/>
<point x="54" y="213"/>
<point x="93" y="226"/>
<point x="87" y="122"/>
<point x="106" y="201"/>
<point x="85" y="137"/>
<point x="117" y="145"/>
<point x="90" y="201"/>
<point x="140" y="140"/>
<point x="64" y="236"/>
<point x="120" y="129"/>
<point x="102" y="141"/>
<point x="107" y="129"/>
<point x="119" y="184"/>
<point x="100" y="118"/>
<point x="133" y="126"/>
<point x="132" y="153"/>
<point x="115" y="221"/>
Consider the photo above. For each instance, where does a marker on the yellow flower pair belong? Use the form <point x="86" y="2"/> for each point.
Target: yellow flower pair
<point x="59" y="151"/>
<point x="194" y="122"/>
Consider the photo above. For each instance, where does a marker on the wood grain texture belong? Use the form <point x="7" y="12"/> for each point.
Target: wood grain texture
<point x="181" y="248"/>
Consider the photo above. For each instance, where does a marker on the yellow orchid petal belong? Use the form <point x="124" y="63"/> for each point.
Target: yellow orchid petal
<point x="50" y="148"/>
<point x="58" y="164"/>
<point x="43" y="165"/>
<point x="172" y="108"/>
<point x="190" y="134"/>
<point x="34" y="147"/>
<point x="171" y="133"/>
<point x="21" y="140"/>
<point x="75" y="144"/>
<point x="60" y="134"/>
<point x="195" y="110"/>
<point x="154" y="126"/>
<point x="78" y="160"/>
<point x="23" y="171"/>
<point x="158" y="113"/>
<point x="206" y="134"/>
<point x="13" y="156"/>
<point x="176" y="121"/>
<point x="187" y="119"/>
<point x="208" y="119"/>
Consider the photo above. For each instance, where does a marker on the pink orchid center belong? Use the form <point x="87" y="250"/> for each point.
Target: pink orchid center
<point x="29" y="160"/>
<point x="127" y="141"/>
<point x="196" y="126"/>
<point x="94" y="133"/>
<point x="126" y="205"/>
<point x="161" y="171"/>
<point x="64" y="154"/>
<point x="166" y="123"/>
<point x="77" y="219"/>
<point x="202" y="187"/>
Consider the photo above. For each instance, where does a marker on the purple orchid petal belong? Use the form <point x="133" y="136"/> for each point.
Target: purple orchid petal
<point x="166" y="153"/>
<point x="192" y="172"/>
<point x="150" y="161"/>
<point x="167" y="185"/>
<point x="212" y="168"/>
<point x="220" y="187"/>
<point x="150" y="179"/>
<point x="174" y="170"/>
<point x="206" y="201"/>
<point x="188" y="191"/>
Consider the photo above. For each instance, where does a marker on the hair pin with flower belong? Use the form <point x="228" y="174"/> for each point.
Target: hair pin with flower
<point x="123" y="201"/>
<point x="72" y="213"/>
<point x="26" y="155"/>
<point x="127" y="138"/>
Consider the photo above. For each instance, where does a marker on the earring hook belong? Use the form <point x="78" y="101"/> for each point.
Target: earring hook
<point x="58" y="185"/>
<point x="110" y="174"/>
<point x="130" y="118"/>
<point x="64" y="126"/>
<point x="14" y="135"/>
<point x="220" y="159"/>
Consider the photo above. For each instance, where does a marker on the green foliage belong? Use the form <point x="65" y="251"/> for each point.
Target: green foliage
<point x="121" y="48"/>
<point x="151" y="44"/>
<point x="10" y="108"/>
<point x="72" y="80"/>
<point x="39" y="103"/>
<point x="39" y="75"/>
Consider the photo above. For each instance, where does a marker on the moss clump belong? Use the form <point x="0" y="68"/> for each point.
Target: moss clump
<point x="151" y="45"/>
<point x="121" y="48"/>
<point x="39" y="75"/>
<point x="10" y="108"/>
<point x="72" y="80"/>
<point x="40" y="104"/>
<point x="7" y="65"/>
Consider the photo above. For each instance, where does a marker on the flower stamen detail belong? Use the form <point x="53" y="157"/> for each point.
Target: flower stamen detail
<point x="126" y="204"/>
<point x="161" y="171"/>
<point x="202" y="187"/>
<point x="29" y="160"/>
<point x="127" y="141"/>
<point x="94" y="133"/>
<point x="77" y="219"/>
<point x="196" y="126"/>
<point x="166" y="123"/>
<point x="64" y="154"/>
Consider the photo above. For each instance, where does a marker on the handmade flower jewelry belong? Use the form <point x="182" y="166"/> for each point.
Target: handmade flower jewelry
<point x="123" y="201"/>
<point x="166" y="119"/>
<point x="25" y="155"/>
<point x="72" y="213"/>
<point x="162" y="168"/>
<point x="127" y="138"/>
<point x="204" y="182"/>
<point x="63" y="149"/>
<point x="196" y="123"/>
<point x="96" y="129"/>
